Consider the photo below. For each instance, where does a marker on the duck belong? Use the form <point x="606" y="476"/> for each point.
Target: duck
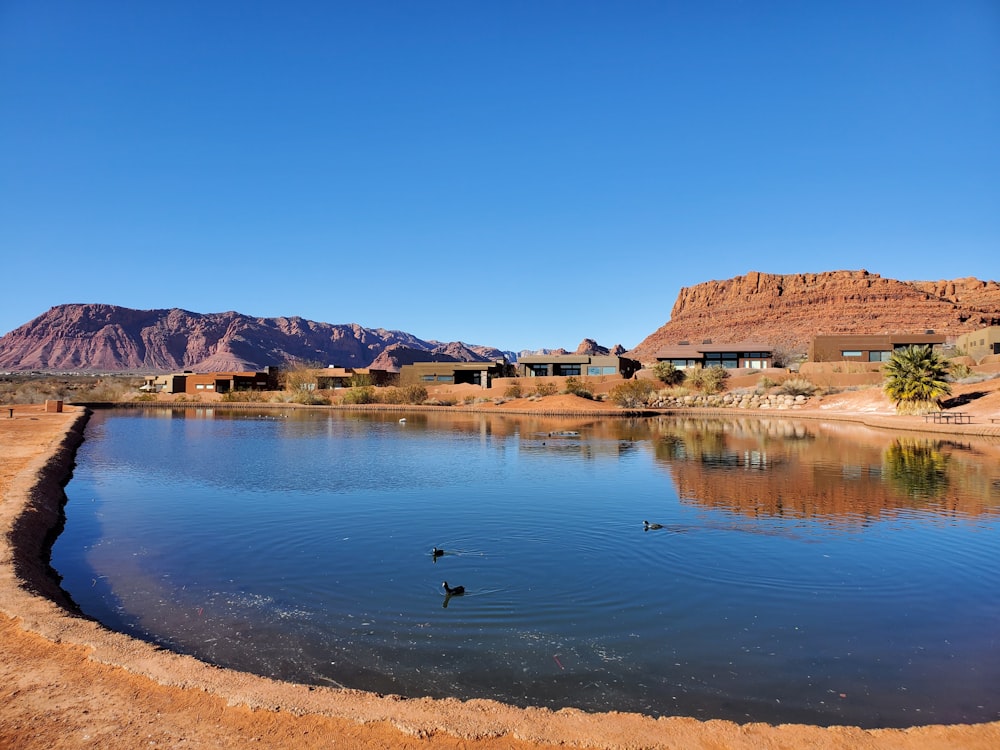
<point x="647" y="526"/>
<point x="456" y="591"/>
<point x="437" y="552"/>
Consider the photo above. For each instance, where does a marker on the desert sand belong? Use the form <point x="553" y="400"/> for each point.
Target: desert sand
<point x="69" y="683"/>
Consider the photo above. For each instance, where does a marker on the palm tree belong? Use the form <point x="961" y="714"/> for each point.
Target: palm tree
<point x="915" y="379"/>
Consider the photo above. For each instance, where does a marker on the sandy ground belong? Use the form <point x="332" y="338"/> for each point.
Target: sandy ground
<point x="65" y="682"/>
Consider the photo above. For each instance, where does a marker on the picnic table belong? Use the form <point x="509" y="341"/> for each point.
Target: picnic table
<point x="950" y="417"/>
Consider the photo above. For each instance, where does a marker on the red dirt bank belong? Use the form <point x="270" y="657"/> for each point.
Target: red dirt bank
<point x="68" y="683"/>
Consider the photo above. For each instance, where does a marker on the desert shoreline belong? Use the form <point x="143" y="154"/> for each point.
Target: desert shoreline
<point x="71" y="683"/>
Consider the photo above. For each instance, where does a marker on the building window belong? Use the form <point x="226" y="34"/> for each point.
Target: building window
<point x="200" y="387"/>
<point x="879" y="356"/>
<point x="537" y="370"/>
<point x="850" y="353"/>
<point x="566" y="370"/>
<point x="427" y="378"/>
<point x="594" y="370"/>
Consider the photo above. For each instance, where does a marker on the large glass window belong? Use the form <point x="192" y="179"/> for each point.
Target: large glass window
<point x="566" y="370"/>
<point x="879" y="356"/>
<point x="850" y="353"/>
<point x="593" y="370"/>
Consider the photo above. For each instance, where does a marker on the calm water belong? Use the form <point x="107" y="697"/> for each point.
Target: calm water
<point x="825" y="574"/>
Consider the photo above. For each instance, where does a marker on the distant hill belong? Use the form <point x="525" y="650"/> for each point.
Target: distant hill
<point x="786" y="311"/>
<point x="107" y="338"/>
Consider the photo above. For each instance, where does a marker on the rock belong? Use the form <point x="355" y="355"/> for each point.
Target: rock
<point x="786" y="311"/>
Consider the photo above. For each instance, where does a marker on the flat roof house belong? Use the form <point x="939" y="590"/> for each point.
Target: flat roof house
<point x="474" y="373"/>
<point x="744" y="355"/>
<point x="867" y="348"/>
<point x="212" y="382"/>
<point x="590" y="365"/>
<point x="981" y="343"/>
<point x="329" y="378"/>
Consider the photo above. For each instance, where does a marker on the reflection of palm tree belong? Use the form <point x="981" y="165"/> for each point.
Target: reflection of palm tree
<point x="917" y="467"/>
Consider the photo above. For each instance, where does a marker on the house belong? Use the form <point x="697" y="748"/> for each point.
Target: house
<point x="981" y="343"/>
<point x="332" y="377"/>
<point x="474" y="373"/>
<point x="212" y="382"/>
<point x="867" y="348"/>
<point x="750" y="355"/>
<point x="589" y="365"/>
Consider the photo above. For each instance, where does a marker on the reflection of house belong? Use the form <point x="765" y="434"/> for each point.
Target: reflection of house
<point x="868" y="348"/>
<point x="540" y="365"/>
<point x="329" y="378"/>
<point x="212" y="382"/>
<point x="981" y="343"/>
<point x="474" y="373"/>
<point x="741" y="355"/>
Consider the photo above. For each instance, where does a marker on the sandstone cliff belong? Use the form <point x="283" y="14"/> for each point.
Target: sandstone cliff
<point x="787" y="310"/>
<point x="92" y="337"/>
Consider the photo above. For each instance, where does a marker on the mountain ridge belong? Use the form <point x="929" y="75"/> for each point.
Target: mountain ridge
<point x="786" y="310"/>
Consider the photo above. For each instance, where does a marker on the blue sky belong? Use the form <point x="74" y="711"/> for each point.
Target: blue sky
<point x="515" y="174"/>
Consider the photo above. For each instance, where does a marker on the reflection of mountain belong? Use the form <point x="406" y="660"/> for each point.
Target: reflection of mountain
<point x="782" y="468"/>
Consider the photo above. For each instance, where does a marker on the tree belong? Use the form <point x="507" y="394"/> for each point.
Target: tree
<point x="915" y="379"/>
<point x="667" y="373"/>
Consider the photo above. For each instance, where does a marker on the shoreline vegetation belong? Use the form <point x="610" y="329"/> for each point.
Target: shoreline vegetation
<point x="71" y="683"/>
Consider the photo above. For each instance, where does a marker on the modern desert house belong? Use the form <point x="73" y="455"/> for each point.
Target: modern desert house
<point x="473" y="373"/>
<point x="867" y="348"/>
<point x="743" y="355"/>
<point x="545" y="365"/>
<point x="981" y="343"/>
<point x="212" y="382"/>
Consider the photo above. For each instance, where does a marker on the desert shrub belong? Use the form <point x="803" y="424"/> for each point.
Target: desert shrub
<point x="632" y="394"/>
<point x="407" y="394"/>
<point x="765" y="382"/>
<point x="797" y="387"/>
<point x="391" y="395"/>
<point x="244" y="397"/>
<point x="545" y="389"/>
<point x="960" y="371"/>
<point x="143" y="397"/>
<point x="513" y="390"/>
<point x="308" y="398"/>
<point x="668" y="374"/>
<point x="362" y="395"/>
<point x="708" y="380"/>
<point x="577" y="388"/>
<point x="360" y="380"/>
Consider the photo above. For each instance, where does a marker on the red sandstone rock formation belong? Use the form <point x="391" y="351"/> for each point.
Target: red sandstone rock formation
<point x="83" y="337"/>
<point x="786" y="311"/>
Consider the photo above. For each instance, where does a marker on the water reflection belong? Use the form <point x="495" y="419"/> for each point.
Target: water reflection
<point x="760" y="467"/>
<point x="746" y="568"/>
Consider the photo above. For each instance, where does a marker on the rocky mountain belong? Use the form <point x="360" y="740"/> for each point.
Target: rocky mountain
<point x="787" y="310"/>
<point x="107" y="338"/>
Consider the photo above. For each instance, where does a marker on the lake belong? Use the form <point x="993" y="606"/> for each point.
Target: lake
<point x="793" y="571"/>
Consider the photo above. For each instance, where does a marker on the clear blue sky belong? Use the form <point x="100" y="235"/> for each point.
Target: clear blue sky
<point x="516" y="174"/>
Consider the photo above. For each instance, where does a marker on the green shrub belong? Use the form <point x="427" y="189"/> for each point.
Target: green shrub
<point x="708" y="380"/>
<point x="407" y="394"/>
<point x="243" y="396"/>
<point x="575" y="387"/>
<point x="960" y="371"/>
<point x="545" y="389"/>
<point x="361" y="395"/>
<point x="513" y="390"/>
<point x="797" y="387"/>
<point x="632" y="394"/>
<point x="668" y="374"/>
